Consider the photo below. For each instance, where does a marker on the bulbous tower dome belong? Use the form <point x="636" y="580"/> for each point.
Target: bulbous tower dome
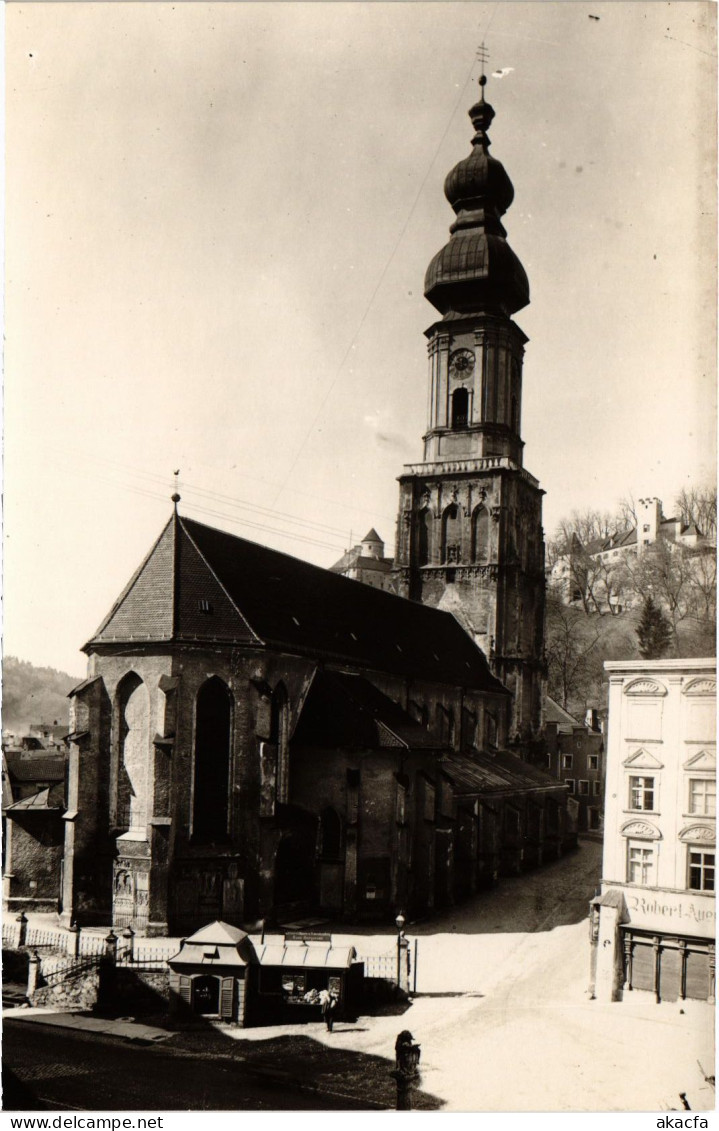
<point x="477" y="270"/>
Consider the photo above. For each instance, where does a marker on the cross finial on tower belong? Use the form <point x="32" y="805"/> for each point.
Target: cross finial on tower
<point x="483" y="56"/>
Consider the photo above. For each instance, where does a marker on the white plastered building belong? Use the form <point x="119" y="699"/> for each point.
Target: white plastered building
<point x="654" y="923"/>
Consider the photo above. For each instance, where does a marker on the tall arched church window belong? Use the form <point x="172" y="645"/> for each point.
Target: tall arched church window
<point x="133" y="753"/>
<point x="424" y="536"/>
<point x="480" y="534"/>
<point x="451" y="534"/>
<point x="280" y="736"/>
<point x="330" y="834"/>
<point x="213" y="728"/>
<point x="514" y="415"/>
<point x="460" y="408"/>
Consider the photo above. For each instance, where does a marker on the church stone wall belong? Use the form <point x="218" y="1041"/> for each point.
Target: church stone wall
<point x="161" y="878"/>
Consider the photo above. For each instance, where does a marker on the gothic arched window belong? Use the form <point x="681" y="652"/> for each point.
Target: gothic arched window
<point x="330" y="834"/>
<point x="451" y="534"/>
<point x="133" y="753"/>
<point x="280" y="736"/>
<point x="460" y="408"/>
<point x="213" y="728"/>
<point x="424" y="536"/>
<point x="480" y="534"/>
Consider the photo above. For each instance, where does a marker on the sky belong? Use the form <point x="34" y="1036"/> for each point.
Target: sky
<point x="218" y="219"/>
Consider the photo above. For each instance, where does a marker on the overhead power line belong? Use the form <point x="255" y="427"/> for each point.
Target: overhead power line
<point x="381" y="279"/>
<point x="206" y="511"/>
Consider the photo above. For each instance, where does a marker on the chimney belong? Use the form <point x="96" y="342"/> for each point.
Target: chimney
<point x="591" y="719"/>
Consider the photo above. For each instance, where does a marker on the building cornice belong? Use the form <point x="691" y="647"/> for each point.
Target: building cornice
<point x="467" y="467"/>
<point x="651" y="666"/>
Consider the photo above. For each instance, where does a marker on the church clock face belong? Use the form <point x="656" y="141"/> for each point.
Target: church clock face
<point x="461" y="363"/>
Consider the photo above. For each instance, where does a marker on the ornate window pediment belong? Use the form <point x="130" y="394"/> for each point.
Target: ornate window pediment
<point x="645" y="686"/>
<point x="704" y="760"/>
<point x="701" y="686"/>
<point x="641" y="830"/>
<point x="698" y="834"/>
<point x="643" y="760"/>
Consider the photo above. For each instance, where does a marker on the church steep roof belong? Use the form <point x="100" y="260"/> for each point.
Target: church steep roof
<point x="201" y="585"/>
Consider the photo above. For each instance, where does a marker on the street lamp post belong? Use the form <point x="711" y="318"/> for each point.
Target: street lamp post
<point x="401" y="945"/>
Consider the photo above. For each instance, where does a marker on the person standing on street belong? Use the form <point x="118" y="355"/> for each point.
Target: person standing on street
<point x="328" y="1002"/>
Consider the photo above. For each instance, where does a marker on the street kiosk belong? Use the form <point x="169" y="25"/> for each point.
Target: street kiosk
<point x="223" y="974"/>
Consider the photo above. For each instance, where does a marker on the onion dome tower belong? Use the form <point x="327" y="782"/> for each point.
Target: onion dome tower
<point x="469" y="535"/>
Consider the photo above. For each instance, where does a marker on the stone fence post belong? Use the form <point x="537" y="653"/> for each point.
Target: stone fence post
<point x="111" y="946"/>
<point x="33" y="974"/>
<point x="72" y="947"/>
<point x="21" y="921"/>
<point x="403" y="964"/>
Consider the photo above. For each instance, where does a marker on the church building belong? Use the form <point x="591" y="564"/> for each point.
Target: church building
<point x="469" y="532"/>
<point x="258" y="736"/>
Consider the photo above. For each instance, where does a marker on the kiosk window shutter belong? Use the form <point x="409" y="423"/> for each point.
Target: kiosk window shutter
<point x="697" y="975"/>
<point x="186" y="989"/>
<point x="227" y="998"/>
<point x="642" y="965"/>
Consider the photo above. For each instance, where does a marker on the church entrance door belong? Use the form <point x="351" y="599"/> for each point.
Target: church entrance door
<point x="295" y="867"/>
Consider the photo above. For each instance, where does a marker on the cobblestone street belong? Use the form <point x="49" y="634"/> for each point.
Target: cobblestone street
<point x="502" y="1015"/>
<point x="506" y="1023"/>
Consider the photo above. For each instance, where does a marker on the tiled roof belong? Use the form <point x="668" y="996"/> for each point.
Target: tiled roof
<point x="43" y="766"/>
<point x="37" y="803"/>
<point x="217" y="944"/>
<point x="347" y="710"/>
<point x="381" y="565"/>
<point x="199" y="584"/>
<point x="612" y="542"/>
<point x="353" y="559"/>
<point x="222" y="934"/>
<point x="347" y="560"/>
<point x="554" y="713"/>
<point x="373" y="536"/>
<point x="494" y="774"/>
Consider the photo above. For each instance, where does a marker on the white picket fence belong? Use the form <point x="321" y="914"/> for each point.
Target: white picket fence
<point x="18" y="933"/>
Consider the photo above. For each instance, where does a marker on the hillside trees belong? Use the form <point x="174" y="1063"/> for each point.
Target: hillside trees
<point x="698" y="506"/>
<point x="654" y="631"/>
<point x="682" y="582"/>
<point x="33" y="695"/>
<point x="569" y="643"/>
<point x="576" y="646"/>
